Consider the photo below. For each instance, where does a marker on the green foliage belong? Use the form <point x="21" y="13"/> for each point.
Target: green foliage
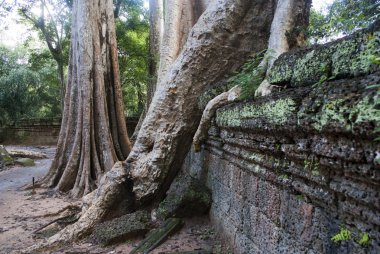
<point x="28" y="86"/>
<point x="29" y="83"/>
<point x="364" y="239"/>
<point x="342" y="17"/>
<point x="132" y="32"/>
<point x="249" y="76"/>
<point x="53" y="25"/>
<point x="343" y="235"/>
<point x="312" y="165"/>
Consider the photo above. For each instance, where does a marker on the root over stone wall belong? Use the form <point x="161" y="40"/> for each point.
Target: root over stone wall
<point x="290" y="171"/>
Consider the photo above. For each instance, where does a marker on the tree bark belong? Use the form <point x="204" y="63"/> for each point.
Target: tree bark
<point x="156" y="20"/>
<point x="289" y="22"/>
<point x="93" y="134"/>
<point x="168" y="35"/>
<point x="209" y="112"/>
<point x="180" y="16"/>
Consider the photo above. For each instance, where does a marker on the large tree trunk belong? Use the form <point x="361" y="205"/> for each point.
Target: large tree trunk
<point x="168" y="34"/>
<point x="218" y="43"/>
<point x="156" y="19"/>
<point x="93" y="134"/>
<point x="287" y="31"/>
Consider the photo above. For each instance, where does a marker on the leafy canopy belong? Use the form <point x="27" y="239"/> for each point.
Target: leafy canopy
<point x="342" y="17"/>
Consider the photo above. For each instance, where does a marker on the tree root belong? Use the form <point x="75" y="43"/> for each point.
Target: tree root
<point x="209" y="112"/>
<point x="72" y="207"/>
<point x="64" y="219"/>
<point x="265" y="88"/>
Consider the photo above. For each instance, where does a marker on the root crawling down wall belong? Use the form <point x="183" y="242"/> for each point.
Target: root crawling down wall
<point x="290" y="171"/>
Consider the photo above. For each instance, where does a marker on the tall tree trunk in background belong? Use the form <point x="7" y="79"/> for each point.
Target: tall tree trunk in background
<point x="180" y="17"/>
<point x="93" y="134"/>
<point x="170" y="25"/>
<point x="54" y="39"/>
<point x="156" y="19"/>
<point x="62" y="82"/>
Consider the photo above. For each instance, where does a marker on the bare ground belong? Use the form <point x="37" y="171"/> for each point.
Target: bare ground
<point x="22" y="212"/>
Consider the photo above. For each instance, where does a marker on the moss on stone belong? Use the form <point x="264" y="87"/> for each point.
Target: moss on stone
<point x="347" y="115"/>
<point x="186" y="197"/>
<point x="159" y="235"/>
<point x="350" y="57"/>
<point x="312" y="66"/>
<point x="129" y="225"/>
<point x="282" y="70"/>
<point x="275" y="112"/>
<point x="25" y="162"/>
<point x="342" y="58"/>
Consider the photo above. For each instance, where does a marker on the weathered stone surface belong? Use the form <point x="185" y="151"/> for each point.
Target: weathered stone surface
<point x="289" y="170"/>
<point x="186" y="197"/>
<point x="346" y="57"/>
<point x="192" y="252"/>
<point x="27" y="154"/>
<point x="25" y="162"/>
<point x="129" y="225"/>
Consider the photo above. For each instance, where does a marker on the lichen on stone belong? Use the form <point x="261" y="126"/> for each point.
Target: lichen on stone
<point x="342" y="58"/>
<point x="340" y="112"/>
<point x="310" y="67"/>
<point x="282" y="70"/>
<point x="252" y="156"/>
<point x="275" y="112"/>
<point x="351" y="56"/>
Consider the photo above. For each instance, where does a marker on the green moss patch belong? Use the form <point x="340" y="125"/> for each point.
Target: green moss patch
<point x="274" y="112"/>
<point x="345" y="57"/>
<point x="127" y="226"/>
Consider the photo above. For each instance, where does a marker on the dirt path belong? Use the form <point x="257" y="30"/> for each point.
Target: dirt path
<point x="18" y="176"/>
<point x="22" y="212"/>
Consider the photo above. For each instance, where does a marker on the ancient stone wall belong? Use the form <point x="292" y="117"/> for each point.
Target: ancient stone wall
<point x="41" y="131"/>
<point x="296" y="170"/>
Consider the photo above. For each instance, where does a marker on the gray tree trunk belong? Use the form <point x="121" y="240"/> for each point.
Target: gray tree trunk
<point x="93" y="134"/>
<point x="170" y="27"/>
<point x="156" y="18"/>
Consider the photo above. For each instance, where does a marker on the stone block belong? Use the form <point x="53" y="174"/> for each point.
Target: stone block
<point x="129" y="225"/>
<point x="25" y="162"/>
<point x="187" y="197"/>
